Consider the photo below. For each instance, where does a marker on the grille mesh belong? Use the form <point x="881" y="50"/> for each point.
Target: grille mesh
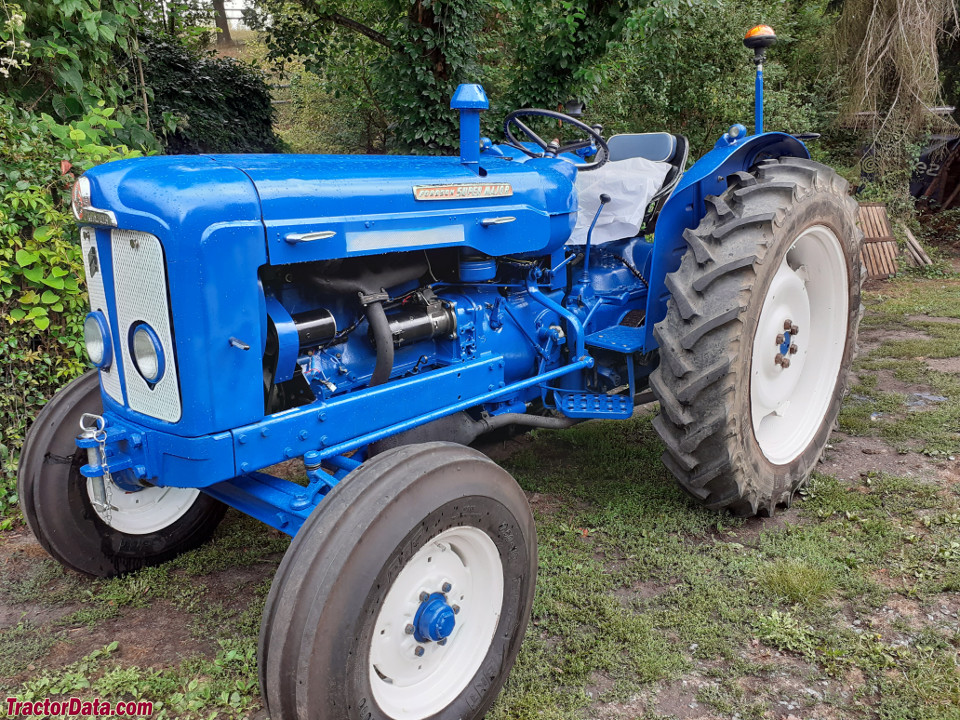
<point x="109" y="377"/>
<point x="140" y="282"/>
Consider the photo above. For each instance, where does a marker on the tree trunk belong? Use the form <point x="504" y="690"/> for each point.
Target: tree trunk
<point x="425" y="18"/>
<point x="220" y="15"/>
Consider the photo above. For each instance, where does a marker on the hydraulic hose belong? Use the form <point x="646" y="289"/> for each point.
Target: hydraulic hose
<point x="383" y="341"/>
<point x="367" y="278"/>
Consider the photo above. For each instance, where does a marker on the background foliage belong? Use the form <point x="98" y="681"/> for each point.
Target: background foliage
<point x="642" y="65"/>
<point x="210" y="104"/>
<point x="42" y="297"/>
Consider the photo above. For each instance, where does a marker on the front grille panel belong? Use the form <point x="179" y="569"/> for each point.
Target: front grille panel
<point x="140" y="286"/>
<point x="93" y="266"/>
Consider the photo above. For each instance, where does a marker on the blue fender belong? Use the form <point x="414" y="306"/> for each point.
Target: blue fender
<point x="685" y="208"/>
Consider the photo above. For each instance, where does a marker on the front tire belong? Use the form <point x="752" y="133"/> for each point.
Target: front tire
<point x="759" y="336"/>
<point x="143" y="528"/>
<point x="431" y="533"/>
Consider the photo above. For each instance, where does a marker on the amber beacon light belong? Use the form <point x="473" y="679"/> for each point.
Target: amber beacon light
<point x="758" y="39"/>
<point x="761" y="36"/>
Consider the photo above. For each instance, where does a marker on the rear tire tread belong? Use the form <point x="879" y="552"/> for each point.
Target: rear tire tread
<point x="700" y="339"/>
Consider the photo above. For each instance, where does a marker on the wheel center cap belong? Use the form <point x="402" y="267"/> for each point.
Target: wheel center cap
<point x="785" y="345"/>
<point x="434" y="620"/>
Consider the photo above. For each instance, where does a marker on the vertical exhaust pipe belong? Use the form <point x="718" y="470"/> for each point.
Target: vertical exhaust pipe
<point x="469" y="99"/>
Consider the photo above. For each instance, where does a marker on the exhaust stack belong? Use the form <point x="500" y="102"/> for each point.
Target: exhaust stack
<point x="469" y="99"/>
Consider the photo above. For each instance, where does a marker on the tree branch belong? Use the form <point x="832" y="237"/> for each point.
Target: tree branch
<point x="346" y="22"/>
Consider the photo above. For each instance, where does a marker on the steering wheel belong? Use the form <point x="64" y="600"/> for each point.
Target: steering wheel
<point x="554" y="148"/>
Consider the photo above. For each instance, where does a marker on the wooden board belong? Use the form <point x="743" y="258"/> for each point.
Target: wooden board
<point x="880" y="259"/>
<point x="879" y="252"/>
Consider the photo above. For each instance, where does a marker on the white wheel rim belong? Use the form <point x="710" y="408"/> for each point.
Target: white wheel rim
<point x="408" y="687"/>
<point x="144" y="511"/>
<point x="810" y="289"/>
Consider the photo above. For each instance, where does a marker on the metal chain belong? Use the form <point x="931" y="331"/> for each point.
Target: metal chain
<point x="102" y="500"/>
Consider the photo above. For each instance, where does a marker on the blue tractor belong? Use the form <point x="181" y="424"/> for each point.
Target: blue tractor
<point x="372" y="316"/>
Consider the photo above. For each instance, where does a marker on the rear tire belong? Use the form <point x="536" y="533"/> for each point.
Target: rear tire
<point x="338" y="640"/>
<point x="55" y="498"/>
<point x="780" y="247"/>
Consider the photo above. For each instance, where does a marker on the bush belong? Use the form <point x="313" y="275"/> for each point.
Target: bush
<point x="210" y="104"/>
<point x="42" y="296"/>
<point x="698" y="80"/>
<point x="63" y="57"/>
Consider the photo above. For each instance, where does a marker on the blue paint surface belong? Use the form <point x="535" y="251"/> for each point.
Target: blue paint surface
<point x="244" y="236"/>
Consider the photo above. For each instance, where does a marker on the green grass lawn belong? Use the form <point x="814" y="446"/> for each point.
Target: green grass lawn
<point x="647" y="606"/>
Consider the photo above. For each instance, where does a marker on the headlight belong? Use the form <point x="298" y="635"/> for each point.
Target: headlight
<point x="96" y="337"/>
<point x="147" y="352"/>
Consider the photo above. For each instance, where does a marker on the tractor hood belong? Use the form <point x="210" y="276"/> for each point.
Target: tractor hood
<point x="319" y="207"/>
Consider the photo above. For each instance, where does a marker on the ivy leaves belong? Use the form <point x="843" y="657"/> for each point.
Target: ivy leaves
<point x="42" y="298"/>
<point x="75" y="54"/>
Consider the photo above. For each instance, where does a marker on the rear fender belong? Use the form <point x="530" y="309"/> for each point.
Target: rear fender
<point x="685" y="208"/>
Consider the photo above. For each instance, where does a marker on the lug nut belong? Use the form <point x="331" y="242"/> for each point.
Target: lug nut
<point x="794" y="330"/>
<point x="793" y="348"/>
<point x="419" y="651"/>
<point x="778" y="359"/>
<point x="786" y="363"/>
<point x="456" y="609"/>
<point x="787" y="324"/>
<point x="446" y="587"/>
<point x="424" y="596"/>
<point x="780" y="339"/>
<point x="408" y="629"/>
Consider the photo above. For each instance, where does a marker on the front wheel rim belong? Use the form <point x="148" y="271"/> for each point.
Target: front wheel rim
<point x="414" y="677"/>
<point x="810" y="294"/>
<point x="144" y="511"/>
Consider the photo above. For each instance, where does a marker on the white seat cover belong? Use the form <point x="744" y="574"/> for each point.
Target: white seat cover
<point x="631" y="185"/>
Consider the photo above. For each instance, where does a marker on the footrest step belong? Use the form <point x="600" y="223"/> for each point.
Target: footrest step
<point x="589" y="405"/>
<point x="619" y="338"/>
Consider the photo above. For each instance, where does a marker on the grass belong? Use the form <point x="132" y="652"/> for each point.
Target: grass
<point x="638" y="587"/>
<point x="646" y="604"/>
<point x="930" y="309"/>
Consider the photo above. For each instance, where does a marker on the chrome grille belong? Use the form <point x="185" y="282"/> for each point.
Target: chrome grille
<point x="92" y="265"/>
<point x="140" y="286"/>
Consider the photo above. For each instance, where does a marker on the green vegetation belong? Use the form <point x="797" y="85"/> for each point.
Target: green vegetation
<point x="926" y="420"/>
<point x="641" y="66"/>
<point x="42" y="299"/>
<point x="209" y="104"/>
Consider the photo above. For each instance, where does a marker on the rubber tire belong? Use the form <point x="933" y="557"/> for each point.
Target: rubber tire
<point x="319" y="615"/>
<point x="707" y="335"/>
<point x="55" y="504"/>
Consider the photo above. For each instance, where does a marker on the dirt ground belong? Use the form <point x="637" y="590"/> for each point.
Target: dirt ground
<point x="180" y="625"/>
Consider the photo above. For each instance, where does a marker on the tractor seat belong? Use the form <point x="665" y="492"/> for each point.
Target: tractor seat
<point x="642" y="171"/>
<point x="657" y="147"/>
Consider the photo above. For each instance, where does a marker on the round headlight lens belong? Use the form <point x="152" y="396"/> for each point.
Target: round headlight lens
<point x="147" y="353"/>
<point x="97" y="339"/>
